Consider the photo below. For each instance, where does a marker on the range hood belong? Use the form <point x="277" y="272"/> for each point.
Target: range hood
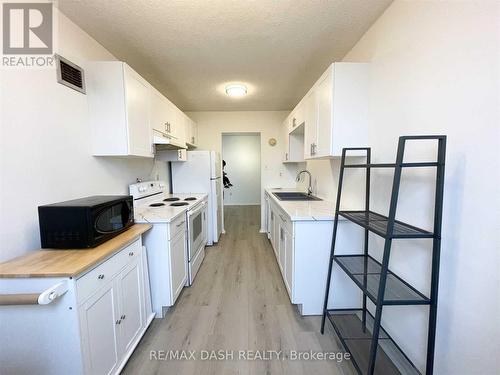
<point x="163" y="141"/>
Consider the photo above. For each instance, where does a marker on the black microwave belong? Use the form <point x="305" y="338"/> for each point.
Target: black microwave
<point x="85" y="222"/>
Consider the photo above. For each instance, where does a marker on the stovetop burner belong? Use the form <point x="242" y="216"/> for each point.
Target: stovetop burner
<point x="190" y="199"/>
<point x="173" y="199"/>
<point x="179" y="204"/>
<point x="156" y="204"/>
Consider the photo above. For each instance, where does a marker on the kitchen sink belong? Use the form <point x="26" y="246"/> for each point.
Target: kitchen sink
<point x="295" y="196"/>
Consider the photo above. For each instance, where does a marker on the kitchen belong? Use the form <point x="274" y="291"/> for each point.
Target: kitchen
<point x="380" y="71"/>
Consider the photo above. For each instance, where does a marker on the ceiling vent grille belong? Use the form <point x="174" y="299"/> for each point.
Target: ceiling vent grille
<point x="70" y="75"/>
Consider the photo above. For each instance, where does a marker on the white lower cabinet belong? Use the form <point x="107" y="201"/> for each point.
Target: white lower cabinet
<point x="302" y="250"/>
<point x="113" y="317"/>
<point x="91" y="329"/>
<point x="167" y="259"/>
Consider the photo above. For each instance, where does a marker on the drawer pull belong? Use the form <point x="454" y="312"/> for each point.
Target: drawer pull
<point x="131" y="254"/>
<point x="123" y="317"/>
<point x="100" y="277"/>
<point x="118" y="321"/>
<point x="181" y="223"/>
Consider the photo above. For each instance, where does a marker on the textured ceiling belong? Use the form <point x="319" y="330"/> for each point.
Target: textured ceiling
<point x="188" y="49"/>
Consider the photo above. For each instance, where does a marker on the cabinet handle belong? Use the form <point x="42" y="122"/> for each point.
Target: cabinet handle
<point x="131" y="254"/>
<point x="180" y="154"/>
<point x="281" y="233"/>
<point x="294" y="122"/>
<point x="100" y="277"/>
<point x="286" y="155"/>
<point x="192" y="139"/>
<point x="118" y="321"/>
<point x="272" y="215"/>
<point x="178" y="225"/>
<point x="123" y="317"/>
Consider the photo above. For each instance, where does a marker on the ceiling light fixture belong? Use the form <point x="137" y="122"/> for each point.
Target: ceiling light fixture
<point x="236" y="90"/>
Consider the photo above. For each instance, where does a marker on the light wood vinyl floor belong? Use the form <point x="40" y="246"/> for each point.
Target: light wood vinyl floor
<point x="238" y="302"/>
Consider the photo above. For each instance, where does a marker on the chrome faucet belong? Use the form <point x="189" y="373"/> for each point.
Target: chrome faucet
<point x="309" y="189"/>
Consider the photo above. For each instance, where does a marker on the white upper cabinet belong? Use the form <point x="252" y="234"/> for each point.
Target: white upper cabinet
<point x="119" y="104"/>
<point x="167" y="120"/>
<point x="191" y="133"/>
<point x="336" y="111"/>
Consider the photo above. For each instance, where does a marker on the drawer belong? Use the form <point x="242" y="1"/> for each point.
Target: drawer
<point x="177" y="225"/>
<point x="90" y="282"/>
<point x="285" y="220"/>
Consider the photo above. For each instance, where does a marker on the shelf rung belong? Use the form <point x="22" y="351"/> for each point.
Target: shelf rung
<point x="393" y="165"/>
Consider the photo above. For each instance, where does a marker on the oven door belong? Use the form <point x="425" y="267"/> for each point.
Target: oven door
<point x="197" y="229"/>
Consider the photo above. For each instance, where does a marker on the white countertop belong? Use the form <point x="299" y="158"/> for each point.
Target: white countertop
<point x="165" y="214"/>
<point x="304" y="210"/>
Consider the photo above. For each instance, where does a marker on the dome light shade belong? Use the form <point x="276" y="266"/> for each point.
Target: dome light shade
<point x="236" y="90"/>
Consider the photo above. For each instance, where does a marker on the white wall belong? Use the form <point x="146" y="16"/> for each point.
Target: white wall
<point x="435" y="70"/>
<point x="45" y="153"/>
<point x="242" y="155"/>
<point x="274" y="173"/>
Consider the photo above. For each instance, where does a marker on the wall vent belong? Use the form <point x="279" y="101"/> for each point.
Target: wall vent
<point x="69" y="74"/>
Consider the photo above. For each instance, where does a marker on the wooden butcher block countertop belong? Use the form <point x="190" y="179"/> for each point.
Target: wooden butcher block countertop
<point x="68" y="263"/>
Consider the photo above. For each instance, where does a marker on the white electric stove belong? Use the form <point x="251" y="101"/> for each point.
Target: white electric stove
<point x="153" y="204"/>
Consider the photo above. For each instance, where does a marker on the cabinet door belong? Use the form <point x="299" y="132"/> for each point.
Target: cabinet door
<point x="158" y="111"/>
<point x="271" y="227"/>
<point x="289" y="267"/>
<point x="324" y="98"/>
<point x="286" y="142"/>
<point x="311" y="124"/>
<point x="178" y="262"/>
<point x="268" y="217"/>
<point x="137" y="99"/>
<point x="131" y="303"/>
<point x="282" y="249"/>
<point x="194" y="133"/>
<point x="99" y="328"/>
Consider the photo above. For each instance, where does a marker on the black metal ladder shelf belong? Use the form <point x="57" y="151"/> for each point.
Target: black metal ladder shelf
<point x="372" y="350"/>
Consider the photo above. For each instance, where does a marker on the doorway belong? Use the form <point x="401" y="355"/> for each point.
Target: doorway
<point x="241" y="153"/>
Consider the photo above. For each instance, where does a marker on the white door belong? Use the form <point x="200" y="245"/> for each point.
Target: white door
<point x="178" y="264"/>
<point x="99" y="326"/>
<point x="137" y="96"/>
<point x="131" y="301"/>
<point x="324" y="97"/>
